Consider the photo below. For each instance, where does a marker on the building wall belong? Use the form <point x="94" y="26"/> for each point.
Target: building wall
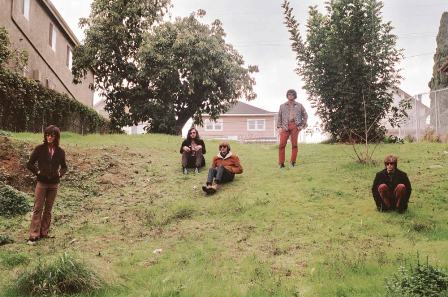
<point x="44" y="64"/>
<point x="235" y="128"/>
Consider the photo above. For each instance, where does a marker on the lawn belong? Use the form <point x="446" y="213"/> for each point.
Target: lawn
<point x="126" y="210"/>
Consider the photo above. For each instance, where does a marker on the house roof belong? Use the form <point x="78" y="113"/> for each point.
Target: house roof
<point x="241" y="108"/>
<point x="54" y="12"/>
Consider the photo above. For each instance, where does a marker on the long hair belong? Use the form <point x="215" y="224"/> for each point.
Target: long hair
<point x="197" y="134"/>
<point x="53" y="130"/>
<point x="293" y="92"/>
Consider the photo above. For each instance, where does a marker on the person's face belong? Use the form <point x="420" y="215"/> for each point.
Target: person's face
<point x="193" y="133"/>
<point x="223" y="149"/>
<point x="390" y="166"/>
<point x="50" y="138"/>
<point x="291" y="97"/>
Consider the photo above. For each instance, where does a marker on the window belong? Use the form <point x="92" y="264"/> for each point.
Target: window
<point x="52" y="37"/>
<point x="69" y="59"/>
<point x="256" y="125"/>
<point x="26" y="9"/>
<point x="213" y="126"/>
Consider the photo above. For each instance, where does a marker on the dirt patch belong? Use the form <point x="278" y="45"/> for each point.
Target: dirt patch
<point x="13" y="171"/>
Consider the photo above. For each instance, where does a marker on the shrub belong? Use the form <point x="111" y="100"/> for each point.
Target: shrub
<point x="431" y="135"/>
<point x="409" y="138"/>
<point x="13" y="202"/>
<point x="420" y="281"/>
<point x="393" y="139"/>
<point x="65" y="276"/>
<point x="5" y="239"/>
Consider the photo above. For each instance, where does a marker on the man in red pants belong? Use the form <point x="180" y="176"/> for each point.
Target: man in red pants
<point x="292" y="118"/>
<point x="391" y="188"/>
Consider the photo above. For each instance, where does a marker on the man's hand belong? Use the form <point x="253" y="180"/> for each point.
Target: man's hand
<point x="198" y="147"/>
<point x="186" y="149"/>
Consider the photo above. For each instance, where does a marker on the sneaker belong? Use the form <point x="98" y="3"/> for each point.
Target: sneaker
<point x="281" y="165"/>
<point x="207" y="189"/>
<point x="196" y="170"/>
<point x="185" y="171"/>
<point x="31" y="241"/>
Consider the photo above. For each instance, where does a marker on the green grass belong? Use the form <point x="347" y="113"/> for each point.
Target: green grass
<point x="312" y="230"/>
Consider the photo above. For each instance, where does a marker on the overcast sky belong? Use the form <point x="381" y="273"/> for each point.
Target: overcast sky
<point x="255" y="28"/>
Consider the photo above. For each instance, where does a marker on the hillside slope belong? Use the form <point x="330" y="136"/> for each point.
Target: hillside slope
<point x="126" y="210"/>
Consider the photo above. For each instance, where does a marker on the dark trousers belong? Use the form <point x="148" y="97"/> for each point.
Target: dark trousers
<point x="393" y="199"/>
<point x="220" y="175"/>
<point x="192" y="159"/>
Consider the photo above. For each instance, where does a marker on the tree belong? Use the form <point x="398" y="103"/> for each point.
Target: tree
<point x="113" y="37"/>
<point x="191" y="71"/>
<point x="440" y="80"/>
<point x="348" y="66"/>
<point x="14" y="59"/>
<point x="161" y="72"/>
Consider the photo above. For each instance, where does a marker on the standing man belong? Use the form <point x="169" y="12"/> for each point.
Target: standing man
<point x="51" y="166"/>
<point x="292" y="118"/>
<point x="391" y="188"/>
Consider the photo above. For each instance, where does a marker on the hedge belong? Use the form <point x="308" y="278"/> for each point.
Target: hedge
<point x="25" y="105"/>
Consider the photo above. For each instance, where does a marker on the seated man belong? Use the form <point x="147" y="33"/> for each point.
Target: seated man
<point x="224" y="167"/>
<point x="192" y="150"/>
<point x="391" y="188"/>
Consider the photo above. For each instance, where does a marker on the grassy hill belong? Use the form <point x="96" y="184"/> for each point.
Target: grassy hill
<point x="127" y="211"/>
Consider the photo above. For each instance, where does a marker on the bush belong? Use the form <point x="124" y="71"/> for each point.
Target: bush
<point x="393" y="139"/>
<point x="431" y="135"/>
<point x="65" y="276"/>
<point x="409" y="138"/>
<point x="5" y="239"/>
<point x="13" y="202"/>
<point x="420" y="281"/>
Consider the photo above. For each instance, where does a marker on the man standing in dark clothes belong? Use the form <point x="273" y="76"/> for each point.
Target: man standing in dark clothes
<point x="391" y="188"/>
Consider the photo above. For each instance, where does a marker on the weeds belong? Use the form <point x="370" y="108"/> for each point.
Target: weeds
<point x="65" y="276"/>
<point x="420" y="281"/>
<point x="5" y="239"/>
<point x="13" y="202"/>
<point x="12" y="260"/>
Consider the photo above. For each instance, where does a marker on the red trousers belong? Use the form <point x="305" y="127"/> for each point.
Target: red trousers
<point x="392" y="199"/>
<point x="292" y="132"/>
<point x="44" y="197"/>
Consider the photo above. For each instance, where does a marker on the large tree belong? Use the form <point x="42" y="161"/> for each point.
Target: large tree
<point x="114" y="33"/>
<point x="161" y="72"/>
<point x="348" y="64"/>
<point x="190" y="71"/>
<point x="439" y="80"/>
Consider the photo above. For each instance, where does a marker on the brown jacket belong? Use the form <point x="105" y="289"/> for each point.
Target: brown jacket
<point x="230" y="163"/>
<point x="49" y="169"/>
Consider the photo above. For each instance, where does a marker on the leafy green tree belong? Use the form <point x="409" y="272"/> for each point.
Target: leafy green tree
<point x="113" y="37"/>
<point x="161" y="72"/>
<point x="439" y="80"/>
<point x="14" y="59"/>
<point x="348" y="64"/>
<point x="191" y="71"/>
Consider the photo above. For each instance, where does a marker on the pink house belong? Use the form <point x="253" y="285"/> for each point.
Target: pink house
<point x="242" y="122"/>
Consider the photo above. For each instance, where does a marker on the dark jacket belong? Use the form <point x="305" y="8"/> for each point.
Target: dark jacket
<point x="399" y="177"/>
<point x="187" y="142"/>
<point x="49" y="169"/>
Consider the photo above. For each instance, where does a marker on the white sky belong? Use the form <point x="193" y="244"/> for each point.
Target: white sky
<point x="255" y="28"/>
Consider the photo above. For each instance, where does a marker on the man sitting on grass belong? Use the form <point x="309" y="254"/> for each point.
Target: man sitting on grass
<point x="391" y="188"/>
<point x="224" y="167"/>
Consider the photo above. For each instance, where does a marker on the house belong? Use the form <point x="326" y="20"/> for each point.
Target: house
<point x="136" y="129"/>
<point x="37" y="27"/>
<point x="417" y="120"/>
<point x="242" y="122"/>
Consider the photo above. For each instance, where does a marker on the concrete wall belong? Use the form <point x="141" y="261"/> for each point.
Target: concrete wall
<point x="44" y="64"/>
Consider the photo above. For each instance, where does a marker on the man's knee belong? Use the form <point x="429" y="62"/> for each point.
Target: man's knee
<point x="383" y="188"/>
<point x="400" y="187"/>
